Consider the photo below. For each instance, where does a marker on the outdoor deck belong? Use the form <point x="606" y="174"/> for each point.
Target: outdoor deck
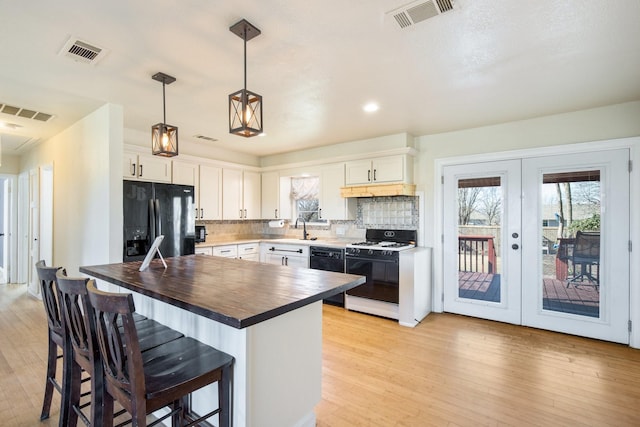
<point x="581" y="299"/>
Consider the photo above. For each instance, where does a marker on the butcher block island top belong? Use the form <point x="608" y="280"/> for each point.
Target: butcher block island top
<point x="235" y="292"/>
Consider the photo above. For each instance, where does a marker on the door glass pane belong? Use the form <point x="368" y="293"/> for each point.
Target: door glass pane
<point x="571" y="242"/>
<point x="480" y="208"/>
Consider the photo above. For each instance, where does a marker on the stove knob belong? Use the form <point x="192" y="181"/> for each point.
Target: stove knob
<point x="370" y="251"/>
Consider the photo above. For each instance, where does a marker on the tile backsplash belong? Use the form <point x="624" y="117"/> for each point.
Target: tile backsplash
<point x="398" y="212"/>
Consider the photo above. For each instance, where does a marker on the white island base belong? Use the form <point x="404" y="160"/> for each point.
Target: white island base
<point x="277" y="374"/>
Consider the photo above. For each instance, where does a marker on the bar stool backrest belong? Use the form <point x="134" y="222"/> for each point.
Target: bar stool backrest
<point x="122" y="360"/>
<point x="77" y="309"/>
<point x="51" y="300"/>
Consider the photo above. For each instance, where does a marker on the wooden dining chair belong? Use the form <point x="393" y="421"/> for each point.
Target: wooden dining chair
<point x="57" y="346"/>
<point x="81" y="330"/>
<point x="74" y="303"/>
<point x="163" y="376"/>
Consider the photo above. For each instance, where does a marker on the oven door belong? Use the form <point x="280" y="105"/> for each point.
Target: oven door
<point x="382" y="282"/>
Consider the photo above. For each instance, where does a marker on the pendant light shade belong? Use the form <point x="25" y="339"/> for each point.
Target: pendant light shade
<point x="164" y="137"/>
<point x="245" y="107"/>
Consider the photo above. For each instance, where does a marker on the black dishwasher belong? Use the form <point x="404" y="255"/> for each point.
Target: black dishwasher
<point x="328" y="259"/>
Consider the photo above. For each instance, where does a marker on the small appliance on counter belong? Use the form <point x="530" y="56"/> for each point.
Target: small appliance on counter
<point x="201" y="233"/>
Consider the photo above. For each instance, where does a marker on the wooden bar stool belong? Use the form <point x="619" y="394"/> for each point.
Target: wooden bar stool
<point x="163" y="376"/>
<point x="55" y="321"/>
<point x="81" y="330"/>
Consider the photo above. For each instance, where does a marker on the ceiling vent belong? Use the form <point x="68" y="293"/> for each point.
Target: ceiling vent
<point x="81" y="51"/>
<point x="206" y="138"/>
<point x="418" y="11"/>
<point x="25" y="113"/>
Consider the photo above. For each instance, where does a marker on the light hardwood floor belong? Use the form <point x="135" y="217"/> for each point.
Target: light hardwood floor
<point x="448" y="371"/>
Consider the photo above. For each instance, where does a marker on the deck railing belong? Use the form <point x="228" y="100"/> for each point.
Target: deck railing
<point x="477" y="253"/>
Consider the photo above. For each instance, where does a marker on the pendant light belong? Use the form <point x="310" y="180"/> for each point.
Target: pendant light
<point x="245" y="107"/>
<point x="164" y="137"/>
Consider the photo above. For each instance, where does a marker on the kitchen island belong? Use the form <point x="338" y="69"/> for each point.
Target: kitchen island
<point x="269" y="317"/>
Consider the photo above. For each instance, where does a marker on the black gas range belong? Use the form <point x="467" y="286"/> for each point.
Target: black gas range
<point x="377" y="258"/>
<point x="381" y="242"/>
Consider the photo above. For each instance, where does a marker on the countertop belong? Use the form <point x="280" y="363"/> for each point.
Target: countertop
<point x="235" y="292"/>
<point x="333" y="243"/>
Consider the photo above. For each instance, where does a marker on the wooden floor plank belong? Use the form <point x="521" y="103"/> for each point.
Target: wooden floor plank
<point x="450" y="370"/>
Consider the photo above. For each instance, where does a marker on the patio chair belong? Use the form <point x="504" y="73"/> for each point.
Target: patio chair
<point x="586" y="254"/>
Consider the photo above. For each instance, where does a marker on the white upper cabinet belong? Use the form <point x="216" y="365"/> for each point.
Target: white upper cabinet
<point x="270" y="206"/>
<point x="146" y="167"/>
<point x="207" y="181"/>
<point x="210" y="200"/>
<point x="378" y="170"/>
<point x="332" y="205"/>
<point x="240" y="194"/>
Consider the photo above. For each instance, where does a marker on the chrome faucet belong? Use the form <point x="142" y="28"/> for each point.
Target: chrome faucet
<point x="305" y="235"/>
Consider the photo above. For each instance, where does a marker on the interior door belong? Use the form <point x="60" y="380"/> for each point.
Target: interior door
<point x="576" y="278"/>
<point x="482" y="273"/>
<point x="34" y="230"/>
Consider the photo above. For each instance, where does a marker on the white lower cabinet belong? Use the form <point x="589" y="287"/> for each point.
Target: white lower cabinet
<point x="206" y="250"/>
<point x="246" y="251"/>
<point x="285" y="254"/>
<point x="249" y="251"/>
<point x="227" y="251"/>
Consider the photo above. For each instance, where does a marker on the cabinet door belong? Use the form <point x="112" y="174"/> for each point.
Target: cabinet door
<point x="226" y="251"/>
<point x="270" y="195"/>
<point x="154" y="168"/>
<point x="297" y="261"/>
<point x="232" y="194"/>
<point x="358" y="172"/>
<point x="332" y="205"/>
<point x="210" y="207"/>
<point x="130" y="166"/>
<point x="388" y="169"/>
<point x="251" y="195"/>
<point x="185" y="173"/>
<point x="274" y="259"/>
<point x="249" y="251"/>
<point x="207" y="250"/>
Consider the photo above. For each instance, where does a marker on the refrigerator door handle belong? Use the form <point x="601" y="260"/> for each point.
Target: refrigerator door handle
<point x="157" y="214"/>
<point x="152" y="221"/>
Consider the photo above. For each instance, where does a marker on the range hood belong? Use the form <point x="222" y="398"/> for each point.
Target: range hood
<point x="378" y="190"/>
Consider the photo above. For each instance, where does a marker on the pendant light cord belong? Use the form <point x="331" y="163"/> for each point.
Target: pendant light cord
<point x="164" y="107"/>
<point x="245" y="58"/>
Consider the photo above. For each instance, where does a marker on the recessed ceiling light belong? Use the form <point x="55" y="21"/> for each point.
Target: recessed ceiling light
<point x="9" y="125"/>
<point x="371" y="107"/>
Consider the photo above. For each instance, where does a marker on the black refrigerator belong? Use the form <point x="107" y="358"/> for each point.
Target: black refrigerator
<point x="151" y="209"/>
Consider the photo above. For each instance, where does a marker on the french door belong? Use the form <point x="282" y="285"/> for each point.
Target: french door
<point x="482" y="260"/>
<point x="541" y="242"/>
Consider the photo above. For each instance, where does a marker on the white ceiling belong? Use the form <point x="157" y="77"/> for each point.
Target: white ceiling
<point x="316" y="64"/>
